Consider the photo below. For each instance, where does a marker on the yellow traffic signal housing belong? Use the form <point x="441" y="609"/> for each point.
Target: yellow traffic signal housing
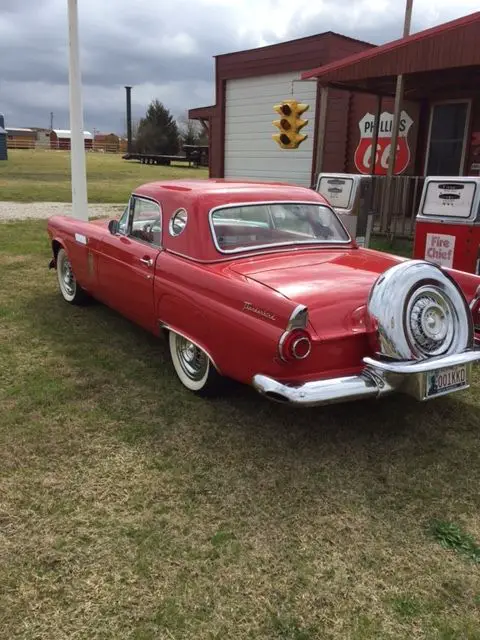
<point x="290" y="124"/>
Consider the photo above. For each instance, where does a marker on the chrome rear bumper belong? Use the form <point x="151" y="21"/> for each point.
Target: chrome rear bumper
<point x="378" y="378"/>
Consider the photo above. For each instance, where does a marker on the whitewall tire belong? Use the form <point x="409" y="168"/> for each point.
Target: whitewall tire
<point x="193" y="366"/>
<point x="71" y="291"/>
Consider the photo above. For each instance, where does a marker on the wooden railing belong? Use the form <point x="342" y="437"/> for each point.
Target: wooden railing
<point x="397" y="216"/>
<point x="32" y="145"/>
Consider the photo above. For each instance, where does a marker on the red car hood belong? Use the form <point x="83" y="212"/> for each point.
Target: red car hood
<point x="101" y="222"/>
<point x="331" y="283"/>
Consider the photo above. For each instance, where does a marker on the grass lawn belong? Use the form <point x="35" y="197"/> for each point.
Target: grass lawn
<point x="44" y="176"/>
<point x="131" y="509"/>
<point x="398" y="246"/>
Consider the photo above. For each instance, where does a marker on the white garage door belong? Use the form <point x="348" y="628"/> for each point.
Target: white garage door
<point x="250" y="151"/>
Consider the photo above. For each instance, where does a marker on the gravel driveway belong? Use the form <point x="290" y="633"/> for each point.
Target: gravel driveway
<point x="24" y="210"/>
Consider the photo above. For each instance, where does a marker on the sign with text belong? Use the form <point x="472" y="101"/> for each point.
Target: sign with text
<point x="439" y="248"/>
<point x="364" y="152"/>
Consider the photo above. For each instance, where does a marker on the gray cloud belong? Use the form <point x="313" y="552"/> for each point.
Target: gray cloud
<point x="164" y="49"/>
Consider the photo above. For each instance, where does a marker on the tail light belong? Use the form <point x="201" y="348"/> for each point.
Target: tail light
<point x="295" y="343"/>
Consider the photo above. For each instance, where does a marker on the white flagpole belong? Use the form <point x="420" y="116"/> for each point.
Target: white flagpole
<point x="77" y="143"/>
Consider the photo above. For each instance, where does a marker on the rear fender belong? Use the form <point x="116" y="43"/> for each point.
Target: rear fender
<point x="468" y="282"/>
<point x="214" y="314"/>
<point x="198" y="343"/>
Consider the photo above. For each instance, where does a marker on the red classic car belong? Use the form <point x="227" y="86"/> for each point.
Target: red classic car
<point x="262" y="283"/>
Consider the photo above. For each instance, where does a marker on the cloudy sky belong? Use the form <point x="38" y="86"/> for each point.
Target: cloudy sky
<point x="164" y="48"/>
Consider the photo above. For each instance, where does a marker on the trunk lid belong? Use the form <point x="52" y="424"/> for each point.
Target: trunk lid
<point x="332" y="283"/>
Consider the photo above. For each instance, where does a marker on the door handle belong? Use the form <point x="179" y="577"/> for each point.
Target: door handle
<point x="146" y="261"/>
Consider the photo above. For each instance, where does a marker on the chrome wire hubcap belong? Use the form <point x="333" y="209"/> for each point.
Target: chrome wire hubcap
<point x="430" y="321"/>
<point x="67" y="279"/>
<point x="193" y="360"/>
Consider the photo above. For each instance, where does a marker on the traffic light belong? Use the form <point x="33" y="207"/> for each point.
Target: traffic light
<point x="290" y="124"/>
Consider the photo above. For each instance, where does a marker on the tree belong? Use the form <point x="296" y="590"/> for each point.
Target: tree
<point x="135" y="125"/>
<point x="157" y="131"/>
<point x="203" y="137"/>
<point x="189" y="130"/>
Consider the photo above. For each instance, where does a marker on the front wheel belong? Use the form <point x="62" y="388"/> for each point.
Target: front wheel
<point x="71" y="291"/>
<point x="193" y="366"/>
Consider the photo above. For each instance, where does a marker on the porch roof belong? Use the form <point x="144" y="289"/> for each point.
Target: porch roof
<point x="443" y="57"/>
<point x="202" y="113"/>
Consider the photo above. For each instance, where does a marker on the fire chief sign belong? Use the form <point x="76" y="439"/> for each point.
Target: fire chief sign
<point x="364" y="152"/>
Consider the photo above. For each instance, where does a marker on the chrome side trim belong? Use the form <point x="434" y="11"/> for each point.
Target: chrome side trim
<point x="168" y="327"/>
<point x="265" y="252"/>
<point x="283" y="337"/>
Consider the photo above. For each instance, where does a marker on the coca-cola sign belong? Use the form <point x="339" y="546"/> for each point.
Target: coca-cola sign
<point x="364" y="152"/>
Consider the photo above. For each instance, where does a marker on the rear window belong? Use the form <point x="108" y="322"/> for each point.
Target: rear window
<point x="253" y="226"/>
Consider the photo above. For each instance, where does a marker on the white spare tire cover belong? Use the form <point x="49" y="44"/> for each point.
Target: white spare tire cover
<point x="419" y="312"/>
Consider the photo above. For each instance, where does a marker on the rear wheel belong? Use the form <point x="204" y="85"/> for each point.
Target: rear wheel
<point x="193" y="366"/>
<point x="71" y="291"/>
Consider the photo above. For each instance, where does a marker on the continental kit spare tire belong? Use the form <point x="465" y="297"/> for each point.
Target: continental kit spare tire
<point x="419" y="312"/>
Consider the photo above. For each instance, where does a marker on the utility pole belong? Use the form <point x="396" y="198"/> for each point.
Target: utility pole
<point x="128" y="90"/>
<point x="77" y="142"/>
<point x="396" y="116"/>
<point x="51" y="120"/>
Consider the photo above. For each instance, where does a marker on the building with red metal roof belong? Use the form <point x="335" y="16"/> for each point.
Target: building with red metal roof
<point x="439" y="120"/>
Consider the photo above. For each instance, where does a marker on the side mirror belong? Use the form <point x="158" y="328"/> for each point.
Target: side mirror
<point x="113" y="227"/>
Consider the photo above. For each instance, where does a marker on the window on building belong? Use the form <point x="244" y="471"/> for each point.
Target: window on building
<point x="447" y="139"/>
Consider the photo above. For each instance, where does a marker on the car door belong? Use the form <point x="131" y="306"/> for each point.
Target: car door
<point x="127" y="261"/>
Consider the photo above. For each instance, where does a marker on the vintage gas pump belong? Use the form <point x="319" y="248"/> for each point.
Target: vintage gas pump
<point x="447" y="227"/>
<point x="350" y="196"/>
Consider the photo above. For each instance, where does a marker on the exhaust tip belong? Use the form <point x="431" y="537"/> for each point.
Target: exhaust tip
<point x="277" y="397"/>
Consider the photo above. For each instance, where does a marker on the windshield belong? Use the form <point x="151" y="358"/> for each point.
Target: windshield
<point x="274" y="224"/>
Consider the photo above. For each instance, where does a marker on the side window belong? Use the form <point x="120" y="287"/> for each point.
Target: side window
<point x="123" y="222"/>
<point x="146" y="221"/>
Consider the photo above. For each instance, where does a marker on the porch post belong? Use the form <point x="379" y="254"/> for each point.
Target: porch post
<point x="374" y="151"/>
<point x="322" y="125"/>
<point x="396" y="119"/>
<point x="375" y="134"/>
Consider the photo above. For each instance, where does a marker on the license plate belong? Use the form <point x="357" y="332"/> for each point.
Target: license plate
<point x="443" y="381"/>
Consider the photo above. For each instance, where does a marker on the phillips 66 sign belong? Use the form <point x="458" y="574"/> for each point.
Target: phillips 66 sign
<point x="364" y="152"/>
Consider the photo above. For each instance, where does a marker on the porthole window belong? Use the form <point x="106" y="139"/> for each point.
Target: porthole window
<point x="178" y="222"/>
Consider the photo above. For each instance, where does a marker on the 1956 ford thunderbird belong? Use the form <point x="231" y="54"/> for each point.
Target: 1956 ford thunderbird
<point x="261" y="283"/>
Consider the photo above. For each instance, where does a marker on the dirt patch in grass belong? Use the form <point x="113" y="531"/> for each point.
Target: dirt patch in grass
<point x="131" y="509"/>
